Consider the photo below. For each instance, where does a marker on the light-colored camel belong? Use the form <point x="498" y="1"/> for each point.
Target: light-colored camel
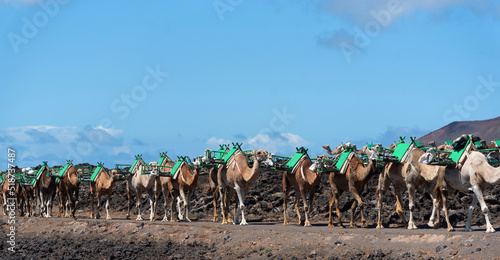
<point x="408" y="175"/>
<point x="46" y="190"/>
<point x="338" y="150"/>
<point x="353" y="181"/>
<point x="238" y="175"/>
<point x="103" y="186"/>
<point x="474" y="176"/>
<point x="304" y="180"/>
<point x="182" y="188"/>
<point x="138" y="183"/>
<point x="68" y="191"/>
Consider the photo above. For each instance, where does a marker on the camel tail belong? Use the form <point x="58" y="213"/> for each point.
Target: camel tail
<point x="376" y="192"/>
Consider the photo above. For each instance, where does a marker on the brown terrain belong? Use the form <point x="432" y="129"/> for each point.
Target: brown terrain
<point x="265" y="236"/>
<point x="488" y="130"/>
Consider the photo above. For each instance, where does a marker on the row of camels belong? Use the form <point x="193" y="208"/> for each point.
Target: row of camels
<point x="237" y="175"/>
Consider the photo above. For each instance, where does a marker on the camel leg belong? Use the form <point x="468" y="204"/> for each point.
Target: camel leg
<point x="445" y="209"/>
<point x="399" y="206"/>
<point x="353" y="210"/>
<point x="107" y="206"/>
<point x="188" y="205"/>
<point x="172" y="219"/>
<point x="185" y="204"/>
<point x="241" y="206"/>
<point x="383" y="186"/>
<point x="138" y="206"/>
<point x="75" y="202"/>
<point x="479" y="194"/>
<point x="471" y="208"/>
<point x="330" y="209"/>
<point x="432" y="220"/>
<point x="61" y="203"/>
<point x="360" y="203"/>
<point x="215" y="198"/>
<point x="152" y="203"/>
<point x="165" y="203"/>
<point x="306" y="207"/>
<point x="222" y="202"/>
<point x="129" y="204"/>
<point x="286" y="192"/>
<point x="92" y="214"/>
<point x="309" y="207"/>
<point x="411" y="198"/>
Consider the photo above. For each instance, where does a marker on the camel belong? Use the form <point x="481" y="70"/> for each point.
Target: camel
<point x="338" y="150"/>
<point x="353" y="181"/>
<point x="68" y="190"/>
<point x="474" y="175"/>
<point x="162" y="183"/>
<point x="409" y="175"/>
<point x="303" y="180"/>
<point x="182" y="188"/>
<point x="46" y="189"/>
<point x="138" y="183"/>
<point x="214" y="189"/>
<point x="103" y="185"/>
<point x="237" y="175"/>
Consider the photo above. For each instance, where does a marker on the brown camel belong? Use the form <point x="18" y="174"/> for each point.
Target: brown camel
<point x="237" y="175"/>
<point x="68" y="190"/>
<point x="182" y="188"/>
<point x="353" y="181"/>
<point x="213" y="188"/>
<point x="162" y="183"/>
<point x="303" y="180"/>
<point x="46" y="190"/>
<point x="474" y="175"/>
<point x="103" y="185"/>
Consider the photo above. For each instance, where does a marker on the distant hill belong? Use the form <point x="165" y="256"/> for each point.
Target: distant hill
<point x="486" y="129"/>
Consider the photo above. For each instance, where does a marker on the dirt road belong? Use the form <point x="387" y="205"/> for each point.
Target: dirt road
<point x="57" y="238"/>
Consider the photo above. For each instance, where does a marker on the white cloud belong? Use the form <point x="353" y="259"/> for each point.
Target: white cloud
<point x="214" y="141"/>
<point x="112" y="132"/>
<point x="34" y="144"/>
<point x="283" y="143"/>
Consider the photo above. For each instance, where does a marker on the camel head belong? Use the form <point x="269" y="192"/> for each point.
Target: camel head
<point x="263" y="156"/>
<point x="154" y="170"/>
<point x="114" y="173"/>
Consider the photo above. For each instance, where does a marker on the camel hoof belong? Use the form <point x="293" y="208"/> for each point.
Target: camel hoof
<point x="138" y="218"/>
<point x="353" y="226"/>
<point x="330" y="225"/>
<point x="165" y="219"/>
<point x="188" y="220"/>
<point x="307" y="224"/>
<point x="490" y="230"/>
<point x="412" y="227"/>
<point x="109" y="218"/>
<point x="380" y="226"/>
<point x="451" y="229"/>
<point x="285" y="223"/>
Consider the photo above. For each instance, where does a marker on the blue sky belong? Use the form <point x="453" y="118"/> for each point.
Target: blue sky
<point x="102" y="81"/>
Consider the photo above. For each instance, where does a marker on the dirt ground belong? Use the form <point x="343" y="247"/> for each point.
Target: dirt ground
<point x="264" y="237"/>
